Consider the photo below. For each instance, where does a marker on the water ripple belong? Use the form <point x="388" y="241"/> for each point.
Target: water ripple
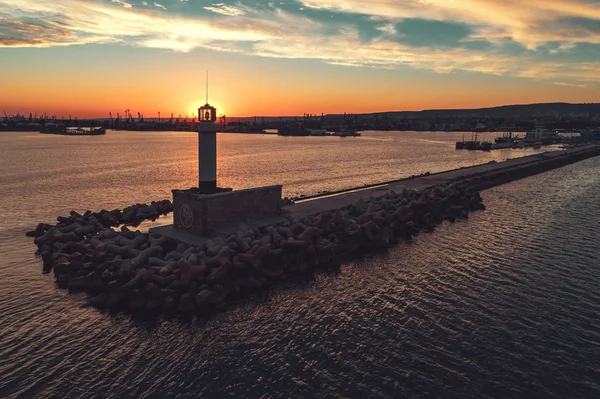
<point x="504" y="304"/>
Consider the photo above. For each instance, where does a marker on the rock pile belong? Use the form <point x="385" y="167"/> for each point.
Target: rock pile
<point x="147" y="272"/>
<point x="132" y="215"/>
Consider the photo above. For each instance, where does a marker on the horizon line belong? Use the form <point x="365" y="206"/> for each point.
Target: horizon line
<point x="362" y="113"/>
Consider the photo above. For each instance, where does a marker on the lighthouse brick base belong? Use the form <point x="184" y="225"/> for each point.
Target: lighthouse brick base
<point x="200" y="213"/>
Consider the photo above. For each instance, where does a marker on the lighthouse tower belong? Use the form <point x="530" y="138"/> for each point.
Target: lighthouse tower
<point x="207" y="149"/>
<point x="204" y="211"/>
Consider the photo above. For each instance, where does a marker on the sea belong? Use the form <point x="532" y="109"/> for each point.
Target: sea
<point x="505" y="304"/>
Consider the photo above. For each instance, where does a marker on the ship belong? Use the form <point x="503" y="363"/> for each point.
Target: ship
<point x="508" y="138"/>
<point x="54" y="128"/>
<point x="467" y="145"/>
<point x="472" y="144"/>
<point x="346" y="130"/>
<point x="503" y="144"/>
<point x="318" y="132"/>
<point x="293" y="130"/>
<point x="541" y="135"/>
<point x="485" y="146"/>
<point x="242" y="129"/>
<point x="505" y="141"/>
<point x="346" y="133"/>
<point x="78" y="131"/>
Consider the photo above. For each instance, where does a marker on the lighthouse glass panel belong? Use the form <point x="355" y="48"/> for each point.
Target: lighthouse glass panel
<point x="207" y="113"/>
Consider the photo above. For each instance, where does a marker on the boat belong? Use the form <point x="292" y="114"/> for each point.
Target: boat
<point x="472" y="144"/>
<point x="505" y="141"/>
<point x="53" y="128"/>
<point x="541" y="135"/>
<point x="485" y="146"/>
<point x="293" y="130"/>
<point x="318" y="132"/>
<point x="241" y="128"/>
<point x="79" y="131"/>
<point x="346" y="130"/>
<point x="508" y="138"/>
<point x="501" y="145"/>
<point x="467" y="145"/>
<point x="346" y="133"/>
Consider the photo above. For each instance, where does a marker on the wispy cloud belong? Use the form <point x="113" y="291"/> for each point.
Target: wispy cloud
<point x="570" y="85"/>
<point x="123" y="3"/>
<point x="528" y="22"/>
<point x="499" y="37"/>
<point x="225" y="9"/>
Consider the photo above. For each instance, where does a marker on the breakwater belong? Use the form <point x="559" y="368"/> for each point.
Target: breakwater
<point x="138" y="271"/>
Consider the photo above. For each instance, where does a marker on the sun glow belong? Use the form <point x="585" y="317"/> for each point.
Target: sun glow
<point x="197" y="104"/>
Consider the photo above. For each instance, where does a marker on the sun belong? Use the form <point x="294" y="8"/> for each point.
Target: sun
<point x="193" y="108"/>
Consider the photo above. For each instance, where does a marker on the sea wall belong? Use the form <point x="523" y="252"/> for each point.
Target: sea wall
<point x="542" y="163"/>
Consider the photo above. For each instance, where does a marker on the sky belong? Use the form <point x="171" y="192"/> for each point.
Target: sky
<point x="87" y="58"/>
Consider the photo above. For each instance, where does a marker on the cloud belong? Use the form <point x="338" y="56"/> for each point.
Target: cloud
<point x="123" y="3"/>
<point x="570" y="84"/>
<point x="225" y="9"/>
<point x="528" y="22"/>
<point x="43" y="33"/>
<point x="498" y="37"/>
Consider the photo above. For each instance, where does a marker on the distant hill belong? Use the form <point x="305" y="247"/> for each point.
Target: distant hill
<point x="521" y="110"/>
<point x="517" y="110"/>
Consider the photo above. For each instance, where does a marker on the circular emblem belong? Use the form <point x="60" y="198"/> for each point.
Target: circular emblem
<point x="186" y="216"/>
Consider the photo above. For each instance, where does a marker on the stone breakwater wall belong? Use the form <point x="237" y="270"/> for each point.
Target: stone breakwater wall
<point x="131" y="270"/>
<point x="76" y="225"/>
<point x="539" y="164"/>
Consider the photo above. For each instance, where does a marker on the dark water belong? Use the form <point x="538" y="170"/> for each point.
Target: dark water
<point x="505" y="304"/>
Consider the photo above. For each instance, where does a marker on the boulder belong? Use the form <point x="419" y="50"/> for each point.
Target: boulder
<point x="186" y="304"/>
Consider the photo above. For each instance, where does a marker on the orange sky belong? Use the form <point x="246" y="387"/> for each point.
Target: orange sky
<point x="89" y="58"/>
<point x="281" y="89"/>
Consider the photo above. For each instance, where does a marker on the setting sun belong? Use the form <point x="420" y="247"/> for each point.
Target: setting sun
<point x="193" y="109"/>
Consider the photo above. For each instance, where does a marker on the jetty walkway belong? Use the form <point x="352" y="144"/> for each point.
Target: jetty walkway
<point x="479" y="177"/>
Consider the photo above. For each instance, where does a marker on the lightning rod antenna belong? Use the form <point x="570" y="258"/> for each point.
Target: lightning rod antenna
<point x="207" y="86"/>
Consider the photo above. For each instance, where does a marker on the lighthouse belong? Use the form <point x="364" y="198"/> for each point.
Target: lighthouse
<point x="207" y="149"/>
<point x="208" y="210"/>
